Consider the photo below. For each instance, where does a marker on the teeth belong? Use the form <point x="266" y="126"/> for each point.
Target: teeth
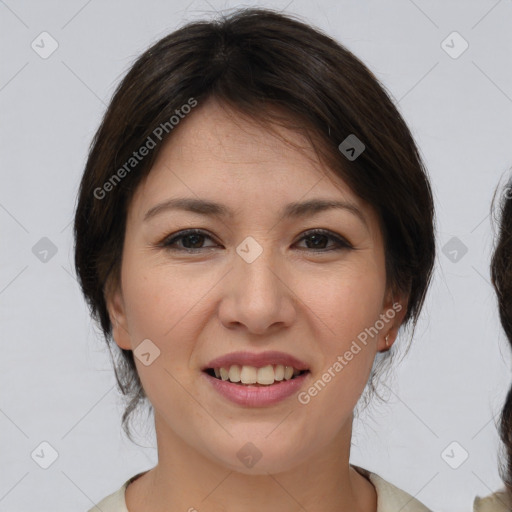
<point x="266" y="375"/>
<point x="248" y="375"/>
<point x="234" y="373"/>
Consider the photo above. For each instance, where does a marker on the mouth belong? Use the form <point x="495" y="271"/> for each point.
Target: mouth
<point x="245" y="375"/>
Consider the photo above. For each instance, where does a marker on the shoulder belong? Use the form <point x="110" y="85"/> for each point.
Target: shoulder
<point x="389" y="497"/>
<point x="115" y="502"/>
<point x="499" y="501"/>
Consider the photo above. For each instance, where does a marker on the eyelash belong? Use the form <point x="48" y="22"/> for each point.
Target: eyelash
<point x="169" y="241"/>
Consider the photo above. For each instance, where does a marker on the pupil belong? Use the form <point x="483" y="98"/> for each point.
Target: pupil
<point x="316" y="238"/>
<point x="192" y="236"/>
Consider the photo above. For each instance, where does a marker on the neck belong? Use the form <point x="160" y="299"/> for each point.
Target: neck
<point x="185" y="479"/>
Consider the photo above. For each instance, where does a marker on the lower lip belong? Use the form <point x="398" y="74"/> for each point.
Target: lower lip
<point x="257" y="396"/>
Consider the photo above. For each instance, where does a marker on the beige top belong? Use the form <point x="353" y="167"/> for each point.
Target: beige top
<point x="497" y="502"/>
<point x="389" y="497"/>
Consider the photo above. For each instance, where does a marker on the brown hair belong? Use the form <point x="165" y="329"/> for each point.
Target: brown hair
<point x="258" y="62"/>
<point x="501" y="275"/>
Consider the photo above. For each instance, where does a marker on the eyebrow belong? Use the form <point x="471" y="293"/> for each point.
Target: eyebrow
<point x="291" y="210"/>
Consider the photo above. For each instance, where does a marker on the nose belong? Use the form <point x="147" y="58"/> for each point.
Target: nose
<point x="257" y="297"/>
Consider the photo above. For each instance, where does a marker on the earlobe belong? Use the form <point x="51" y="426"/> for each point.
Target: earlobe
<point x="117" y="314"/>
<point x="394" y="312"/>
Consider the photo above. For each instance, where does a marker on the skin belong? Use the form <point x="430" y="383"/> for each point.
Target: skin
<point x="296" y="298"/>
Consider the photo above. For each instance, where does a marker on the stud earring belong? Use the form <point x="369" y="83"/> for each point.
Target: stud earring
<point x="386" y="338"/>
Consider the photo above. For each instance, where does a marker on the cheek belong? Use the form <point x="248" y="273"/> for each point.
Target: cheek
<point x="348" y="309"/>
<point x="159" y="301"/>
<point x="159" y="309"/>
<point x="346" y="303"/>
<point x="165" y="304"/>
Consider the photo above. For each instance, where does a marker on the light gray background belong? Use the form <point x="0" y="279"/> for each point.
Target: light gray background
<point x="56" y="380"/>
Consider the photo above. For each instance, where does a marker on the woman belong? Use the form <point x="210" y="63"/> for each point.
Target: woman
<point x="501" y="274"/>
<point x="253" y="227"/>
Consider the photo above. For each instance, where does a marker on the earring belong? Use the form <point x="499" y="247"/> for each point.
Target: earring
<point x="386" y="338"/>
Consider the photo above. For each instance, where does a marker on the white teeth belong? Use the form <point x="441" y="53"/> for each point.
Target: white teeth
<point x="279" y="372"/>
<point x="249" y="375"/>
<point x="234" y="373"/>
<point x="266" y="375"/>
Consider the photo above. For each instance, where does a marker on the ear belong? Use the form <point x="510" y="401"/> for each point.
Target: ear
<point x="117" y="313"/>
<point x="392" y="315"/>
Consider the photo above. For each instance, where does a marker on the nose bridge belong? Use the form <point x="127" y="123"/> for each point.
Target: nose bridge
<point x="259" y="297"/>
<point x="256" y="269"/>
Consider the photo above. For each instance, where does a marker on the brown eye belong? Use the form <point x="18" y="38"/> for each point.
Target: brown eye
<point x="320" y="237"/>
<point x="191" y="240"/>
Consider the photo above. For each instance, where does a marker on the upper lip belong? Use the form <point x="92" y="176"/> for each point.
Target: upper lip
<point x="256" y="359"/>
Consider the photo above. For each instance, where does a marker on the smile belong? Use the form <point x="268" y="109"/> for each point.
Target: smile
<point x="247" y="375"/>
<point x="252" y="379"/>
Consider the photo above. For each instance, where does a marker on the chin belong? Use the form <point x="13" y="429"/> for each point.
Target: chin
<point x="259" y="457"/>
<point x="263" y="467"/>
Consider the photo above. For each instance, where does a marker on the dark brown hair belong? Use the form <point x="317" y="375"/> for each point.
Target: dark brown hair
<point x="501" y="275"/>
<point x="261" y="64"/>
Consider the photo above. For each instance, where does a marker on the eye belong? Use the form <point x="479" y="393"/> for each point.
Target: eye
<point x="319" y="236"/>
<point x="191" y="240"/>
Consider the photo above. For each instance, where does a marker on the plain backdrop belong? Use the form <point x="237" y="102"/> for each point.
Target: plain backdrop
<point x="436" y="438"/>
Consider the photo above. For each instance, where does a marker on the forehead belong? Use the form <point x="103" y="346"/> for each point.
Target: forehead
<point x="218" y="133"/>
<point x="218" y="154"/>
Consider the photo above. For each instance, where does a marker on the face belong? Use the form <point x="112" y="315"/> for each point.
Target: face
<point x="258" y="284"/>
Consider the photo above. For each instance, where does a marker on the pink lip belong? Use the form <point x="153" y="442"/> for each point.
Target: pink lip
<point x="256" y="360"/>
<point x="256" y="396"/>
